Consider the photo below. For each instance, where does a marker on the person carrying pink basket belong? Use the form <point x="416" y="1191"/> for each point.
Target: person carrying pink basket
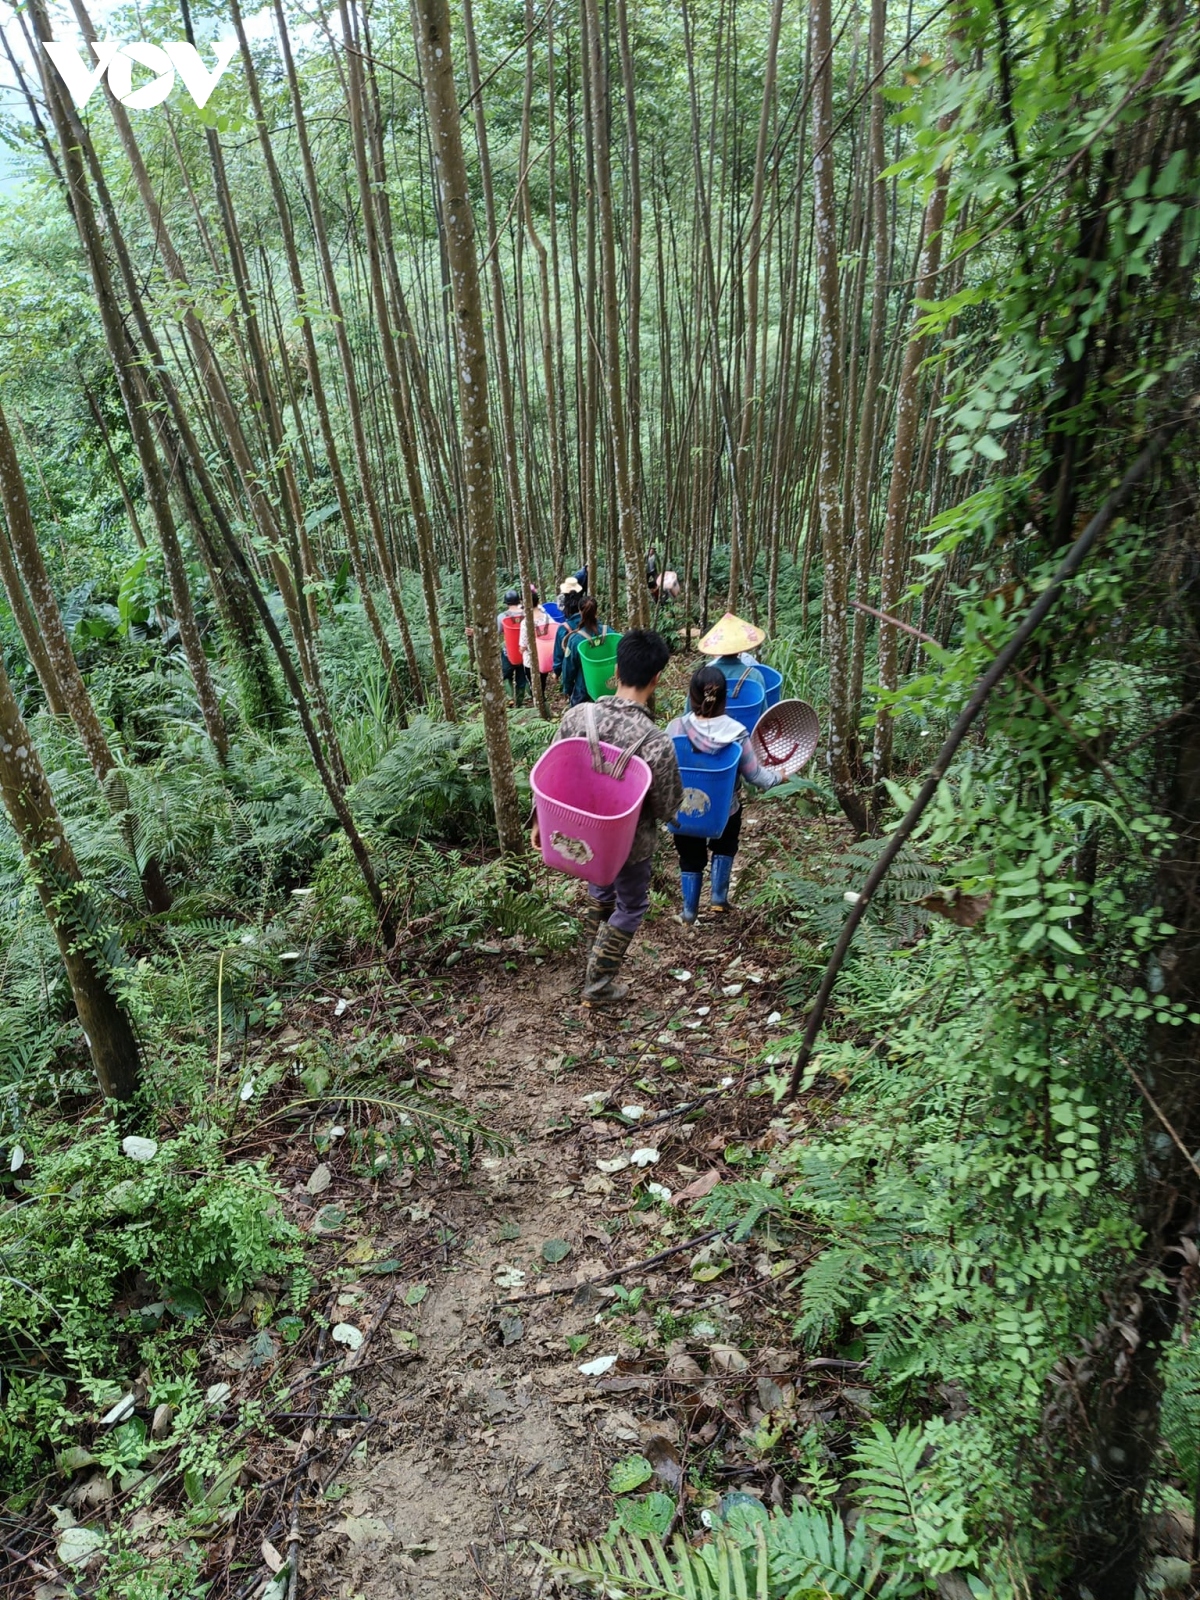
<point x="615" y="910"/>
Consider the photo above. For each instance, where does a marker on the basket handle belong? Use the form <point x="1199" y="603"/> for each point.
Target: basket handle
<point x="738" y="686"/>
<point x="617" y="768"/>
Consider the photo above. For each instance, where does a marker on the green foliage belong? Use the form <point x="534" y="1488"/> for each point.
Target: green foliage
<point x="81" y="1228"/>
<point x="908" y="1532"/>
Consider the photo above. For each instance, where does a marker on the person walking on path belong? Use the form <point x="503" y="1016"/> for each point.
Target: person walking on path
<point x="706" y="728"/>
<point x="615" y="910"/>
<point x="587" y="626"/>
<point x="515" y="674"/>
<point x="731" y="642"/>
<point x="570" y="597"/>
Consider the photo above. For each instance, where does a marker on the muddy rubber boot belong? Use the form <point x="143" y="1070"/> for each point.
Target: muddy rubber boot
<point x="595" y="914"/>
<point x="719" y="873"/>
<point x="604" y="963"/>
<point x="692" y="883"/>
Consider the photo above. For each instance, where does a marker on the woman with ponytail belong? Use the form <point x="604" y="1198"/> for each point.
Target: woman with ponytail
<point x="585" y="626"/>
<point x="706" y="728"/>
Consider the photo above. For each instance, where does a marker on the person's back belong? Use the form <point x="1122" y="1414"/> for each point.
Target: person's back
<point x="729" y="643"/>
<point x="708" y="730"/>
<point x="616" y="909"/>
<point x="586" y="626"/>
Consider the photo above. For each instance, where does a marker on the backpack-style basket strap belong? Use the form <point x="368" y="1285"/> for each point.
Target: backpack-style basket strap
<point x="616" y="769"/>
<point x="738" y="686"/>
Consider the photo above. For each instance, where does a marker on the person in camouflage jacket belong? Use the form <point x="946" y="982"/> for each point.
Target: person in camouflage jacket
<point x="615" y="910"/>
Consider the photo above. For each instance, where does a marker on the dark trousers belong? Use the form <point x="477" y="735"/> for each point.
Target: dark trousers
<point x="630" y="892"/>
<point x="693" y="852"/>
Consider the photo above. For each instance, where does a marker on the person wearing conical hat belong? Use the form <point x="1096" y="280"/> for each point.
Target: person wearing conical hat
<point x="730" y="643"/>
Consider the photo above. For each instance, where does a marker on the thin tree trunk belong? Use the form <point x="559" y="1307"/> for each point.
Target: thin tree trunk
<point x="841" y="751"/>
<point x="51" y="864"/>
<point x="320" y="402"/>
<point x="441" y="100"/>
<point x="638" y="596"/>
<point x="893" y="563"/>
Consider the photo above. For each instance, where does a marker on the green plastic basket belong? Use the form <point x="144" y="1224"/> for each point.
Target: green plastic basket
<point x="598" y="658"/>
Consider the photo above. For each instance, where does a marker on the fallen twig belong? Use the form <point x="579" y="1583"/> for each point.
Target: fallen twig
<point x="617" y="1272"/>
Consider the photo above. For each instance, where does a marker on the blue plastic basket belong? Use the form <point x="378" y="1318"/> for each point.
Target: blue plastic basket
<point x="553" y="609"/>
<point x="773" y="682"/>
<point x="708" y="785"/>
<point x="746" y="702"/>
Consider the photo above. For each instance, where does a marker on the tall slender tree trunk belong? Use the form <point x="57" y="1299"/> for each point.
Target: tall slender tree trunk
<point x="458" y="222"/>
<point x="893" y="562"/>
<point x="54" y="655"/>
<point x="312" y="363"/>
<point x="51" y="864"/>
<point x="638" y="596"/>
<point x="842" y="748"/>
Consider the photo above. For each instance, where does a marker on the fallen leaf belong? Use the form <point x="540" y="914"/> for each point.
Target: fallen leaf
<point x="415" y="1294"/>
<point x="511" y="1329"/>
<point x="634" y="1113"/>
<point x="629" y="1474"/>
<point x="121" y="1412"/>
<point x="319" y="1180"/>
<point x="683" y="1368"/>
<point x="346" y="1333"/>
<point x="658" y="1190"/>
<point x="644" y="1157"/>
<point x="77" y="1545"/>
<point x="664" y="1458"/>
<point x="681" y="974"/>
<point x="364" y="1530"/>
<point x="555" y="1250"/>
<point x="217" y="1393"/>
<point x="726" y="1358"/>
<point x="139" y="1149"/>
<point x="731" y="990"/>
<point x="270" y="1555"/>
<point x="698" y="1188"/>
<point x="596" y="1183"/>
<point x="17" y="1160"/>
<point x="329" y="1219"/>
<point x="509" y="1277"/>
<point x="617" y="1164"/>
<point x="597" y="1368"/>
<point x="776" y="1016"/>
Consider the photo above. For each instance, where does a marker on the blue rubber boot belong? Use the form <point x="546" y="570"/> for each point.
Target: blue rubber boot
<point x="719" y="872"/>
<point x="691" y="882"/>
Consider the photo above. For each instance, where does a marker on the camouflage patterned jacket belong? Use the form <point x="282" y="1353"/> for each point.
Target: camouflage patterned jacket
<point x="622" y="723"/>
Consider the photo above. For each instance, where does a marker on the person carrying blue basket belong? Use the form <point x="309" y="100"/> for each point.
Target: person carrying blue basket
<point x="731" y="642"/>
<point x="707" y="729"/>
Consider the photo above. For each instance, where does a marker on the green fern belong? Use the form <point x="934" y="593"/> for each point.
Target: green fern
<point x="905" y="1504"/>
<point x="804" y="1555"/>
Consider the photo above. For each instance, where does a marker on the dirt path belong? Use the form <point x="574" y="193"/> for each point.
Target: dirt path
<point x="492" y="1438"/>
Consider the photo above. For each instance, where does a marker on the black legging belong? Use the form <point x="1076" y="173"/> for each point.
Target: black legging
<point x="693" y="852"/>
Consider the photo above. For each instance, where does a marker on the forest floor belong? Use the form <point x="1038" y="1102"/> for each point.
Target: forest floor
<point x="482" y="1295"/>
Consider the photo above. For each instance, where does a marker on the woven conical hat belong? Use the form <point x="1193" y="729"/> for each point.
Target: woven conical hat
<point x="785" y="737"/>
<point x="730" y="636"/>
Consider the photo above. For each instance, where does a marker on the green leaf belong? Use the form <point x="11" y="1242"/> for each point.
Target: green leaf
<point x="1061" y="937"/>
<point x="629" y="1473"/>
<point x="555" y="1250"/>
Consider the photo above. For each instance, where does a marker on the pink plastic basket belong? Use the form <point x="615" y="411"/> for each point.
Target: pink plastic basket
<point x="545" y="644"/>
<point x="587" y="819"/>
